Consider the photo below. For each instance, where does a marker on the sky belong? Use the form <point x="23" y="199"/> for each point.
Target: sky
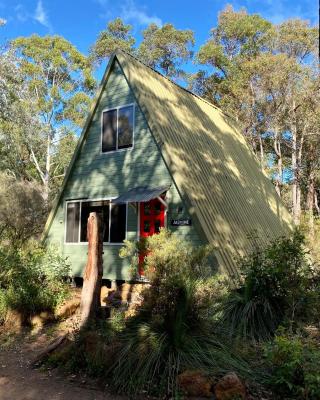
<point x="80" y="21"/>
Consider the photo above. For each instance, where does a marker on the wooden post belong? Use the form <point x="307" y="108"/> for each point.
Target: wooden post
<point x="90" y="295"/>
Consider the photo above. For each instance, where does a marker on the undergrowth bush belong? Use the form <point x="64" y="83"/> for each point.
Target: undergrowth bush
<point x="278" y="285"/>
<point x="193" y="319"/>
<point x="294" y="365"/>
<point x="22" y="210"/>
<point x="174" y="329"/>
<point x="32" y="279"/>
<point x="93" y="348"/>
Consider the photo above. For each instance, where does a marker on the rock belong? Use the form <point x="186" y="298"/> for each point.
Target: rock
<point x="14" y="321"/>
<point x="36" y="321"/>
<point x="131" y="312"/>
<point x="104" y="295"/>
<point x="195" y="383"/>
<point x="4" y="380"/>
<point x="47" y="316"/>
<point x="133" y="287"/>
<point x="68" y="308"/>
<point x="39" y="320"/>
<point x="230" y="387"/>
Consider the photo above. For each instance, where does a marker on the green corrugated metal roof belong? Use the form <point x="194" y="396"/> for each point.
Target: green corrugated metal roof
<point x="211" y="163"/>
<point x="215" y="171"/>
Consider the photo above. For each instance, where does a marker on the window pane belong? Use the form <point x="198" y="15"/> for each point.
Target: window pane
<point x="157" y="207"/>
<point x="147" y="208"/>
<point x="72" y="234"/>
<point x="157" y="225"/>
<point x="146" y="226"/>
<point x="109" y="131"/>
<point x="118" y="223"/>
<point x="100" y="207"/>
<point x="125" y="127"/>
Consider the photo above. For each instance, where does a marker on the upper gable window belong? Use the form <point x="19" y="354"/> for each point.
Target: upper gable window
<point x="117" y="128"/>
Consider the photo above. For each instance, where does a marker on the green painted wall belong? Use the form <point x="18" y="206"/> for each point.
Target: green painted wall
<point x="97" y="175"/>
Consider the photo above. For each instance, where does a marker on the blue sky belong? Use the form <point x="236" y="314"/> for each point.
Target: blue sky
<point x="80" y="21"/>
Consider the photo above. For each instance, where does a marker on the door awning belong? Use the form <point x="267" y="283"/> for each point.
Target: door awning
<point x="141" y="194"/>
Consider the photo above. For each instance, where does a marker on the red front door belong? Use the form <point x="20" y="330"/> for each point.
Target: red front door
<point x="152" y="215"/>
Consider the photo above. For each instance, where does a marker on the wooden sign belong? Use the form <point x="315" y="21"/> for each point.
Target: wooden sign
<point x="181" y="222"/>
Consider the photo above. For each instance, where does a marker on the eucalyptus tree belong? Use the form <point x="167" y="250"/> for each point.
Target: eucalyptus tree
<point x="166" y="48"/>
<point x="117" y="35"/>
<point x="264" y="75"/>
<point x="236" y="41"/>
<point x="19" y="123"/>
<point x="60" y="82"/>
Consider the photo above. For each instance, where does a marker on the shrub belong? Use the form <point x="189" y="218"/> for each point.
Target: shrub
<point x="294" y="366"/>
<point x="277" y="285"/>
<point x="172" y="331"/>
<point x="94" y="346"/>
<point x="22" y="210"/>
<point x="32" y="279"/>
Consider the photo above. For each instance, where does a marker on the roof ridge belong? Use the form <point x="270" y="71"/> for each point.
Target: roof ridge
<point x="174" y="83"/>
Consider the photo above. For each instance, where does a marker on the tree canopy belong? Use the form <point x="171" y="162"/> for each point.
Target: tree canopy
<point x="164" y="48"/>
<point x="266" y="75"/>
<point x="117" y="35"/>
<point x="59" y="79"/>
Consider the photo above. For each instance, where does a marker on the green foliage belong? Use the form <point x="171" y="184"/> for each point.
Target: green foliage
<point x="63" y="153"/>
<point x="18" y="119"/>
<point x="166" y="48"/>
<point x="22" y="210"/>
<point x="117" y="35"/>
<point x="59" y="79"/>
<point x="32" y="279"/>
<point x="94" y="347"/>
<point x="174" y="330"/>
<point x="267" y="76"/>
<point x="277" y="285"/>
<point x="296" y="38"/>
<point x="294" y="367"/>
<point x="53" y="57"/>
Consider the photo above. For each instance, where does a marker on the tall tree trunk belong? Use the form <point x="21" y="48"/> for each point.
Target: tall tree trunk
<point x="316" y="202"/>
<point x="90" y="295"/>
<point x="261" y="151"/>
<point x="310" y="203"/>
<point x="277" y="149"/>
<point x="47" y="168"/>
<point x="296" y="195"/>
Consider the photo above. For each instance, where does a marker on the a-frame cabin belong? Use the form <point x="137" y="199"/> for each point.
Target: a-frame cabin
<point x="153" y="154"/>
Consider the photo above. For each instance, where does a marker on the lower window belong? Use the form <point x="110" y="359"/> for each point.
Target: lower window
<point x="114" y="218"/>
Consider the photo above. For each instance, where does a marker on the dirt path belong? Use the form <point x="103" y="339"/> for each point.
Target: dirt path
<point x="18" y="381"/>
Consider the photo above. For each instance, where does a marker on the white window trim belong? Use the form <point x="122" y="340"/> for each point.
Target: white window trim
<point x="133" y="128"/>
<point x="79" y="228"/>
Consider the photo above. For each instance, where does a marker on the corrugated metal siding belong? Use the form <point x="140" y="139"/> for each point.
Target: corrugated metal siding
<point x="96" y="175"/>
<point x="211" y="163"/>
